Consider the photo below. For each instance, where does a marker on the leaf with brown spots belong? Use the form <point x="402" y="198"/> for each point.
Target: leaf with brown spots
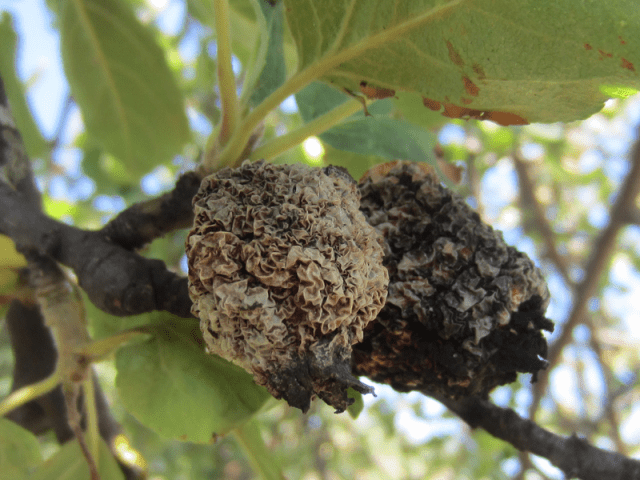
<point x="377" y="93"/>
<point x="511" y="62"/>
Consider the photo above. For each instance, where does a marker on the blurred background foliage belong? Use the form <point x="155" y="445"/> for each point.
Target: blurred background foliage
<point x="549" y="188"/>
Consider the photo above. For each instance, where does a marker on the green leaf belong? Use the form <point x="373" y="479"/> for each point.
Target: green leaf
<point x="273" y="72"/>
<point x="172" y="386"/>
<point x="261" y="459"/>
<point x="35" y="144"/>
<point x="103" y="325"/>
<point x="378" y="135"/>
<point x="511" y="62"/>
<point x="318" y="98"/>
<point x="119" y="78"/>
<point x="69" y="464"/>
<point x="382" y="136"/>
<point x="355" y="409"/>
<point x="19" y="451"/>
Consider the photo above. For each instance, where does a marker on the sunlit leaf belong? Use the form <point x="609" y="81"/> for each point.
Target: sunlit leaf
<point x="510" y="62"/>
<point x="19" y="451"/>
<point x="68" y="463"/>
<point x="172" y="386"/>
<point x="615" y="91"/>
<point x="119" y="77"/>
<point x="34" y="143"/>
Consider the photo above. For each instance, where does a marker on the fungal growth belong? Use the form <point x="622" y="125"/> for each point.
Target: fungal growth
<point x="285" y="274"/>
<point x="464" y="311"/>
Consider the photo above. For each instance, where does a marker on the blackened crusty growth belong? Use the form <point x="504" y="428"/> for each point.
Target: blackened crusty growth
<point x="285" y="274"/>
<point x="464" y="311"/>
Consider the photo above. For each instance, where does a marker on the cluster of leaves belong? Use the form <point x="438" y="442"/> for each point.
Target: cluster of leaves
<point x="433" y="61"/>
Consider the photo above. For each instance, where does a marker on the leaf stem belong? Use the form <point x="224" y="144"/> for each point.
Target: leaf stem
<point x="92" y="419"/>
<point x="226" y="78"/>
<point x="318" y="125"/>
<point x="322" y="66"/>
<point x="237" y="142"/>
<point x="98" y="350"/>
<point x="259" y="59"/>
<point x="30" y="392"/>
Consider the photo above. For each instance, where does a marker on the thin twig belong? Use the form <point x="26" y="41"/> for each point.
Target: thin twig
<point x="529" y="202"/>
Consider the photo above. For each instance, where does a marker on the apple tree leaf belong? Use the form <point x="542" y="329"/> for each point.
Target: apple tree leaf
<point x="510" y="62"/>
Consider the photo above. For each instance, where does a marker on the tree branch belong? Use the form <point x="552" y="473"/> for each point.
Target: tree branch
<point x="15" y="169"/>
<point x="143" y="222"/>
<point x="573" y="455"/>
<point x="116" y="280"/>
<point x="602" y="252"/>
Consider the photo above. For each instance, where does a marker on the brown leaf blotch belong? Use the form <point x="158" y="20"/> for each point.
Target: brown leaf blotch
<point x="431" y="104"/>
<point x="376" y="93"/>
<point x="622" y="41"/>
<point x="588" y="47"/>
<point x="470" y="87"/>
<point x="605" y="54"/>
<point x="477" y="68"/>
<point x="628" y="65"/>
<point x="454" y="55"/>
<point x="505" y="118"/>
<point x="501" y="118"/>
<point x="454" y="111"/>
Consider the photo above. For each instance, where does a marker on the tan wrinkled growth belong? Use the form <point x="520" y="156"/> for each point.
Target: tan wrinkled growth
<point x="284" y="274"/>
<point x="464" y="311"/>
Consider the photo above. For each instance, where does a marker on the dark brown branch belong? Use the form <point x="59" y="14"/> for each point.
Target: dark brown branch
<point x="145" y="221"/>
<point x="573" y="455"/>
<point x="117" y="280"/>
<point x="602" y="251"/>
<point x="15" y="169"/>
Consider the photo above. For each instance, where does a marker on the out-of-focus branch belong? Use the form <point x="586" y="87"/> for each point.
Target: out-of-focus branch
<point x="610" y="413"/>
<point x="15" y="169"/>
<point x="574" y="456"/>
<point x="633" y="216"/>
<point x="529" y="203"/>
<point x="602" y="251"/>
